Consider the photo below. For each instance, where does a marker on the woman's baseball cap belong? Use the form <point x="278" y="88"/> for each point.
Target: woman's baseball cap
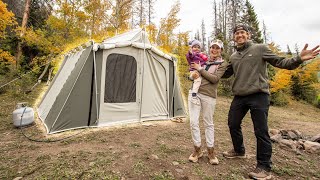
<point x="217" y="42"/>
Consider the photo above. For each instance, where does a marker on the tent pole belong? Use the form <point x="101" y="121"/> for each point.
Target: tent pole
<point x="91" y="93"/>
<point x="95" y="79"/>
<point x="142" y="73"/>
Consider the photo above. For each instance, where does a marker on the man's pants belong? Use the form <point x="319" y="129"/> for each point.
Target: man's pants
<point x="207" y="104"/>
<point x="258" y="104"/>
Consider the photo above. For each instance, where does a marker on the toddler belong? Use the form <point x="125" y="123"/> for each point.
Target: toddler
<point x="195" y="56"/>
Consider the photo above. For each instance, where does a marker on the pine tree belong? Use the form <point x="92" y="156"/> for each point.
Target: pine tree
<point x="265" y="34"/>
<point x="250" y="18"/>
<point x="289" y="50"/>
<point x="296" y="48"/>
<point x="197" y="35"/>
<point x="150" y="10"/>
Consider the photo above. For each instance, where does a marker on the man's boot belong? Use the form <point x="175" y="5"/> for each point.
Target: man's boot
<point x="197" y="153"/>
<point x="212" y="156"/>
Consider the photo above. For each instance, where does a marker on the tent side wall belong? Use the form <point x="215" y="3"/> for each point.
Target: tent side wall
<point x="57" y="84"/>
<point x="55" y="77"/>
<point x="95" y="105"/>
<point x="155" y="94"/>
<point x="177" y="106"/>
<point x="72" y="105"/>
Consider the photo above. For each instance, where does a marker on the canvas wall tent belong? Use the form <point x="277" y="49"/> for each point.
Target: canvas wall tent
<point x="122" y="80"/>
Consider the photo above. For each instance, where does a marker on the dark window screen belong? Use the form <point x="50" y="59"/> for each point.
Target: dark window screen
<point x="121" y="75"/>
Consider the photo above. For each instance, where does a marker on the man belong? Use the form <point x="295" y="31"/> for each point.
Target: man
<point x="251" y="92"/>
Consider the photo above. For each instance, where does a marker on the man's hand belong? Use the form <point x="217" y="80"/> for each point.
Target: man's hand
<point x="309" y="54"/>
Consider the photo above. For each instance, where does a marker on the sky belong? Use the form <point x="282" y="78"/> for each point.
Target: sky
<point x="288" y="22"/>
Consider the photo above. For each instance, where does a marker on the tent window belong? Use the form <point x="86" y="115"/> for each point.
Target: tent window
<point x="120" y="81"/>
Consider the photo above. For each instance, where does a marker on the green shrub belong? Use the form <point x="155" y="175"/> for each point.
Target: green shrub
<point x="279" y="98"/>
<point x="318" y="101"/>
<point x="225" y="87"/>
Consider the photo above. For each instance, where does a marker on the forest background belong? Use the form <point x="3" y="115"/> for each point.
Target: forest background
<point x="35" y="34"/>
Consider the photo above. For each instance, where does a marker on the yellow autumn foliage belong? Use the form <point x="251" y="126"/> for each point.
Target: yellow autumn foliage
<point x="6" y="18"/>
<point x="310" y="70"/>
<point x="6" y="57"/>
<point x="37" y="39"/>
<point x="281" y="80"/>
<point x="152" y="32"/>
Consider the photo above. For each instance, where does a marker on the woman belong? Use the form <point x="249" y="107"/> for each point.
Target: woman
<point x="207" y="93"/>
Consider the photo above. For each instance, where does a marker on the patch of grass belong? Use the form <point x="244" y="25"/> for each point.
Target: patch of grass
<point x="43" y="158"/>
<point x="282" y="171"/>
<point x="164" y="150"/>
<point x="233" y="177"/>
<point x="103" y="162"/>
<point x="102" y="153"/>
<point x="7" y="173"/>
<point x="164" y="175"/>
<point x="135" y="145"/>
<point x="103" y="140"/>
<point x="182" y="161"/>
<point x="201" y="173"/>
<point x="63" y="154"/>
<point x="84" y="154"/>
<point x="33" y="147"/>
<point x="15" y="145"/>
<point x="302" y="158"/>
<point x="140" y="168"/>
<point x="207" y="178"/>
<point x="99" y="174"/>
<point x="312" y="163"/>
<point x="234" y="174"/>
<point x="171" y="135"/>
<point x="316" y="174"/>
<point x="60" y="169"/>
<point x="198" y="171"/>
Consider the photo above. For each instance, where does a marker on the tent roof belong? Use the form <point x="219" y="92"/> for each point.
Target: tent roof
<point x="137" y="38"/>
<point x="136" y="35"/>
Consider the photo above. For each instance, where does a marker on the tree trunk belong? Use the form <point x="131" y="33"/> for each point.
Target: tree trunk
<point x="141" y="13"/>
<point x="49" y="76"/>
<point x="23" y="30"/>
<point x="149" y="12"/>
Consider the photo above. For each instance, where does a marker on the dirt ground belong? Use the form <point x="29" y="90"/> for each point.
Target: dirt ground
<point x="152" y="150"/>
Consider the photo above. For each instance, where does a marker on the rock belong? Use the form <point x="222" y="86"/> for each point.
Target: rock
<point x="298" y="133"/>
<point x="300" y="144"/>
<point x="283" y="132"/>
<point x="184" y="178"/>
<point x="312" y="147"/>
<point x="179" y="170"/>
<point x="175" y="163"/>
<point x="289" y="143"/>
<point x="316" y="138"/>
<point x="292" y="135"/>
<point x="276" y="137"/>
<point x="274" y="132"/>
<point x="17" y="178"/>
<point x="154" y="156"/>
